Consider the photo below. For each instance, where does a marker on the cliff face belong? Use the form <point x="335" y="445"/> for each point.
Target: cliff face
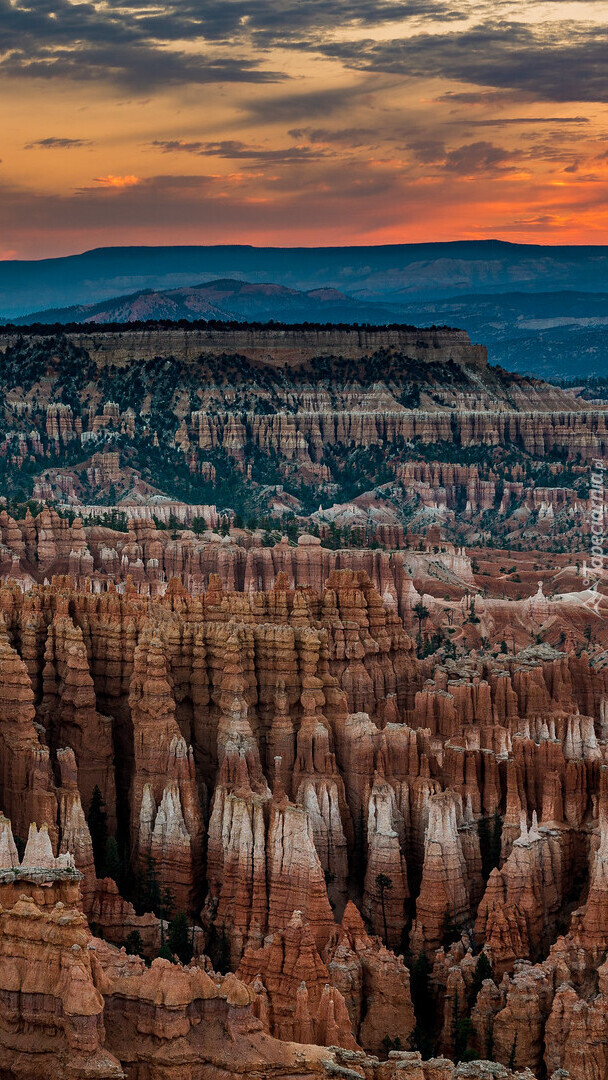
<point x="280" y="420"/>
<point x="284" y="770"/>
<point x="75" y="1006"/>
<point x="279" y="806"/>
<point x="280" y="346"/>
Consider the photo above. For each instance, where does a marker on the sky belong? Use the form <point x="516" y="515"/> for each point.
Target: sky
<point x="301" y="122"/>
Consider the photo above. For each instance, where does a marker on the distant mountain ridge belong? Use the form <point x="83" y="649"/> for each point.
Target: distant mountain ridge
<point x="389" y="273"/>
<point x="554" y="334"/>
<point x="538" y="309"/>
<point x="223" y="300"/>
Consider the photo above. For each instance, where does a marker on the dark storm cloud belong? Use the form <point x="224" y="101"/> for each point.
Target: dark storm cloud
<point x="563" y="62"/>
<point x="290" y="108"/>
<point x="55" y="38"/>
<point x="54" y="143"/>
<point x="498" y="121"/>
<point x="240" y="151"/>
<point x="496" y="98"/>
<point x="137" y="45"/>
<point x="472" y="159"/>
<point x="479" y="157"/>
<point x="352" y="137"/>
<point x="271" y="21"/>
<point x="427" y="151"/>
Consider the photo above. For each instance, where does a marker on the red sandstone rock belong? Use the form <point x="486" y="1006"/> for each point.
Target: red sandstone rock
<point x="386" y="887"/>
<point x="301" y="1004"/>
<point x="68" y="710"/>
<point x="374" y="983"/>
<point x="47" y="985"/>
<point x="444" y="897"/>
<point x="231" y="696"/>
<point x="163" y="793"/>
<point x="26" y="791"/>
<point x="294" y="873"/>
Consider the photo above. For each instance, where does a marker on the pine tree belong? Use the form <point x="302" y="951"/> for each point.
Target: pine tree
<point x="223" y="952"/>
<point x="360" y="849"/>
<point x="450" y="933"/>
<point x="97" y="820"/>
<point x="490" y="836"/>
<point x="483" y="970"/>
<point x="165" y="953"/>
<point x="422" y="1001"/>
<point x="496" y="840"/>
<point x="178" y="938"/>
<point x="112" y="864"/>
<point x="421" y="612"/>
<point x="150" y="888"/>
<point x="490" y="1042"/>
<point x="385" y="884"/>
<point x="167" y="904"/>
<point x="463" y="1029"/>
<point x="483" y="830"/>
<point x="134" y="943"/>
<point x="513" y="1054"/>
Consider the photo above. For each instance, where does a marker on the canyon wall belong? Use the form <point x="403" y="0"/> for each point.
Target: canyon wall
<point x="276" y="346"/>
<point x="317" y="801"/>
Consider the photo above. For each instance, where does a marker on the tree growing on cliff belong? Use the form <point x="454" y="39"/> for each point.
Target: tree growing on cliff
<point x="391" y="1044"/>
<point x="385" y="884"/>
<point x="422" y="613"/>
<point x="490" y="835"/>
<point x="449" y="932"/>
<point x="198" y="525"/>
<point x="360" y="849"/>
<point x="134" y="944"/>
<point x="112" y="863"/>
<point x="166" y="907"/>
<point x="179" y="939"/>
<point x="483" y="970"/>
<point x="223" y="951"/>
<point x="463" y="1029"/>
<point x="473" y="617"/>
<point x="496" y="840"/>
<point x="97" y="820"/>
<point x="149" y="891"/>
<point x="422" y="1000"/>
<point x="165" y="953"/>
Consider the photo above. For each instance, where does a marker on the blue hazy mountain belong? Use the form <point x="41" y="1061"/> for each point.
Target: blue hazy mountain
<point x="538" y="309"/>
<point x="390" y="273"/>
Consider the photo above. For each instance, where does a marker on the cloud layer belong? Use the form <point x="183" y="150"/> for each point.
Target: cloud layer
<point x="262" y="119"/>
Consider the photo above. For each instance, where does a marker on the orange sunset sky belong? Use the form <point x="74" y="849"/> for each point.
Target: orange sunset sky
<point x="301" y="122"/>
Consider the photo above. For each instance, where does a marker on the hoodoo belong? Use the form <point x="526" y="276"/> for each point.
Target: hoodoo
<point x="307" y="701"/>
